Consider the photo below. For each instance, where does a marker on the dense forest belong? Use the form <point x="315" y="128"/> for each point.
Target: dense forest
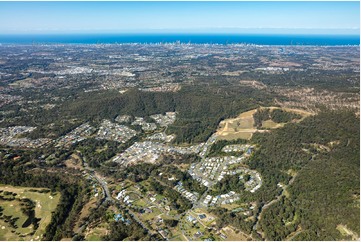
<point x="277" y="115"/>
<point x="95" y="152"/>
<point x="227" y="184"/>
<point x="326" y="189"/>
<point x="321" y="80"/>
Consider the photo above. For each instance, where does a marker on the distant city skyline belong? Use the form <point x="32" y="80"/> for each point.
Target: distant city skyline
<point x="180" y="17"/>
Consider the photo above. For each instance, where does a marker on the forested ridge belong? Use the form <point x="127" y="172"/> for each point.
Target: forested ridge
<point x="200" y="109"/>
<point x="324" y="193"/>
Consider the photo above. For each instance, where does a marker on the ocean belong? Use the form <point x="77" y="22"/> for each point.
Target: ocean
<point x="258" y="39"/>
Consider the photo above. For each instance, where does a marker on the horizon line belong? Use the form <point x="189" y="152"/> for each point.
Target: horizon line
<point x="175" y="33"/>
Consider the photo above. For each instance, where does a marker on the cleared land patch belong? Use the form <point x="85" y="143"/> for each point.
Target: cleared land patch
<point x="253" y="83"/>
<point x="347" y="232"/>
<point x="243" y="126"/>
<point x="269" y="124"/>
<point x="97" y="233"/>
<point x="233" y="235"/>
<point x="74" y="162"/>
<point x="25" y="212"/>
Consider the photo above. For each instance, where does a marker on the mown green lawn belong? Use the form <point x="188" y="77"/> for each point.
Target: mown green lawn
<point x="45" y="204"/>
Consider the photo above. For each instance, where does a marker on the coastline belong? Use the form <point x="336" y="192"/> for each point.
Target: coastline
<point x="183" y="39"/>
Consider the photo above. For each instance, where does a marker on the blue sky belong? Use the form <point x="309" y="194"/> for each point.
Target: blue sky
<point x="117" y="17"/>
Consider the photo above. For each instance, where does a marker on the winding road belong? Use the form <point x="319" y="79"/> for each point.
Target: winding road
<point x="267" y="205"/>
<point x="108" y="198"/>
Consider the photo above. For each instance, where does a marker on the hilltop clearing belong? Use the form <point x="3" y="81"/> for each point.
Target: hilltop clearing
<point x="258" y="120"/>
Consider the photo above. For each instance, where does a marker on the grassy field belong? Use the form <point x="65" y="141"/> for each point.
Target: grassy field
<point x="148" y="216"/>
<point x="231" y="206"/>
<point x="269" y="124"/>
<point x="97" y="233"/>
<point x="177" y="238"/>
<point x="44" y="204"/>
<point x="237" y="135"/>
<point x="140" y="203"/>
